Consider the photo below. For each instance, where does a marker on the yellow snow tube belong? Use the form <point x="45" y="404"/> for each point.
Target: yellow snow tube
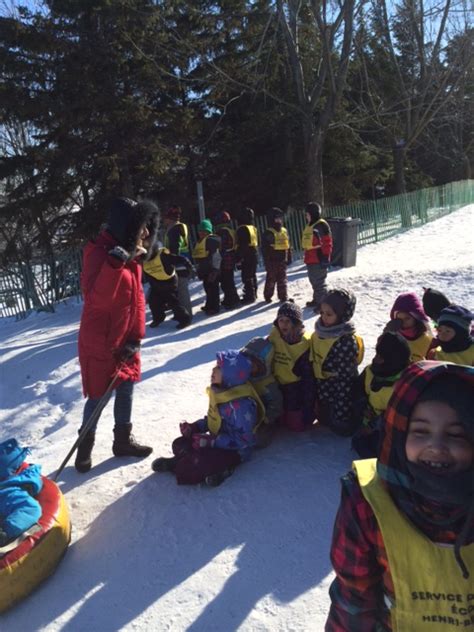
<point x="40" y="550"/>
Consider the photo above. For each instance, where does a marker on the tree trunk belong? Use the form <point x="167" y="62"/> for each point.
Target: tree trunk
<point x="313" y="146"/>
<point x="399" y="154"/>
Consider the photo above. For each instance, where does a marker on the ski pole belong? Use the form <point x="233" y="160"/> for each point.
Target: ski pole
<point x="89" y="423"/>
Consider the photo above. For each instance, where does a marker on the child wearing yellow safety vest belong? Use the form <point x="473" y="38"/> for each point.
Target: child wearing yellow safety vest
<point x="336" y="350"/>
<point x="403" y="541"/>
<point x="292" y="367"/>
<point x="211" y="448"/>
<point x="409" y="319"/>
<point x="373" y="391"/>
<point x="276" y="252"/>
<point x="247" y="254"/>
<point x="455" y="341"/>
<point x="160" y="272"/>
<point x="207" y="258"/>
<point x="227" y="246"/>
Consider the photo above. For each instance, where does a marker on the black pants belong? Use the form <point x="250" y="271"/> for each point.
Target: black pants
<point x="212" y="295"/>
<point x="231" y="298"/>
<point x="164" y="295"/>
<point x="249" y="275"/>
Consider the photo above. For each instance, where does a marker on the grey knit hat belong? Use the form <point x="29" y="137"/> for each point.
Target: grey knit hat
<point x="291" y="311"/>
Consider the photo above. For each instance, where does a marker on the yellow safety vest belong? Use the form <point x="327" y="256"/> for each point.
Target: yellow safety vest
<point x="377" y="399"/>
<point x="307" y="236"/>
<point x="156" y="269"/>
<point x="183" y="241"/>
<point x="200" y="249"/>
<point x="286" y="355"/>
<point x="253" y="234"/>
<point x="231" y="232"/>
<point x="419" y="347"/>
<point x="431" y="594"/>
<point x="320" y="348"/>
<point x="282" y="240"/>
<point x="465" y="357"/>
<point x="214" y="419"/>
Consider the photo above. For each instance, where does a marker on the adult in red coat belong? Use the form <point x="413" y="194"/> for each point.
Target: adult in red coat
<point x="113" y="320"/>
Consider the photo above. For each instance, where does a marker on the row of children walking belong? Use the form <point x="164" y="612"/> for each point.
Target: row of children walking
<point x="217" y="253"/>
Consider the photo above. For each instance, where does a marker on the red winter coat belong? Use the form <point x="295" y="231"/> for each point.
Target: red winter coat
<point x="113" y="314"/>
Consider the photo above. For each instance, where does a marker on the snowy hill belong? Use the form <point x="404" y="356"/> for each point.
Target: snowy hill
<point x="250" y="555"/>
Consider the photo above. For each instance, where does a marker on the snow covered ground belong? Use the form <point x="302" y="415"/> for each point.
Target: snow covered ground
<point x="250" y="555"/>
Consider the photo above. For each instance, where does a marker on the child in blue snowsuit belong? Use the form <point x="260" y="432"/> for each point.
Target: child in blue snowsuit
<point x="209" y="449"/>
<point x="18" y="508"/>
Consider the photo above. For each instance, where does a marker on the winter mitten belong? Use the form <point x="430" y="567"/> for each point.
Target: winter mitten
<point x="202" y="441"/>
<point x="186" y="429"/>
<point x="393" y="325"/>
<point x="323" y="261"/>
<point x="128" y="350"/>
<point x="120" y="253"/>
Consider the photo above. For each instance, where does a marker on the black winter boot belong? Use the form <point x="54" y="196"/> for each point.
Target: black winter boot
<point x="164" y="464"/>
<point x="125" y="444"/>
<point x="83" y="462"/>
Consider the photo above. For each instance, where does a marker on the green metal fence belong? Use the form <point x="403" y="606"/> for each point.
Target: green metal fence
<point x="39" y="285"/>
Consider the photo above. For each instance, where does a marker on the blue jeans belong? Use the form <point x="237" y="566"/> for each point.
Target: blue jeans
<point x="122" y="406"/>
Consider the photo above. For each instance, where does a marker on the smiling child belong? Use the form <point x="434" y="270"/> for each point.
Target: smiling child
<point x="403" y="541"/>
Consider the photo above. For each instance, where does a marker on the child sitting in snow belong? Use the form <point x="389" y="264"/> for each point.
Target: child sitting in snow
<point x="404" y="532"/>
<point x="260" y="353"/>
<point x="211" y="448"/>
<point x="374" y="388"/>
<point x="408" y="318"/>
<point x="336" y="350"/>
<point x="18" y="485"/>
<point x="455" y="342"/>
<point x="292" y="367"/>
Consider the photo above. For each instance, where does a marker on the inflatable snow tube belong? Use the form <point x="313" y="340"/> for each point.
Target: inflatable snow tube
<point x="40" y="550"/>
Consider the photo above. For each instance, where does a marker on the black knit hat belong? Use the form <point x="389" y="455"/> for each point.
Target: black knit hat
<point x="291" y="311"/>
<point x="343" y="302"/>
<point x="433" y="302"/>
<point x="393" y="354"/>
<point x="457" y="317"/>
<point x="126" y="219"/>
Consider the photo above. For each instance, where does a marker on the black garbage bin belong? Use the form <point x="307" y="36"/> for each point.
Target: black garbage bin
<point x="344" y="236"/>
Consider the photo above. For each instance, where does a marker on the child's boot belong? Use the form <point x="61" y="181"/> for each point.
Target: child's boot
<point x="125" y="444"/>
<point x="164" y="464"/>
<point x="83" y="462"/>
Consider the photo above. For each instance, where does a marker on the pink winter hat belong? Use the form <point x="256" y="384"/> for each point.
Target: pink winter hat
<point x="410" y="303"/>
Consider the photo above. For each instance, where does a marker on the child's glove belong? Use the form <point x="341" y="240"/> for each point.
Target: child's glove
<point x="202" y="441"/>
<point x="323" y="261"/>
<point x="393" y="325"/>
<point x="186" y="429"/>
